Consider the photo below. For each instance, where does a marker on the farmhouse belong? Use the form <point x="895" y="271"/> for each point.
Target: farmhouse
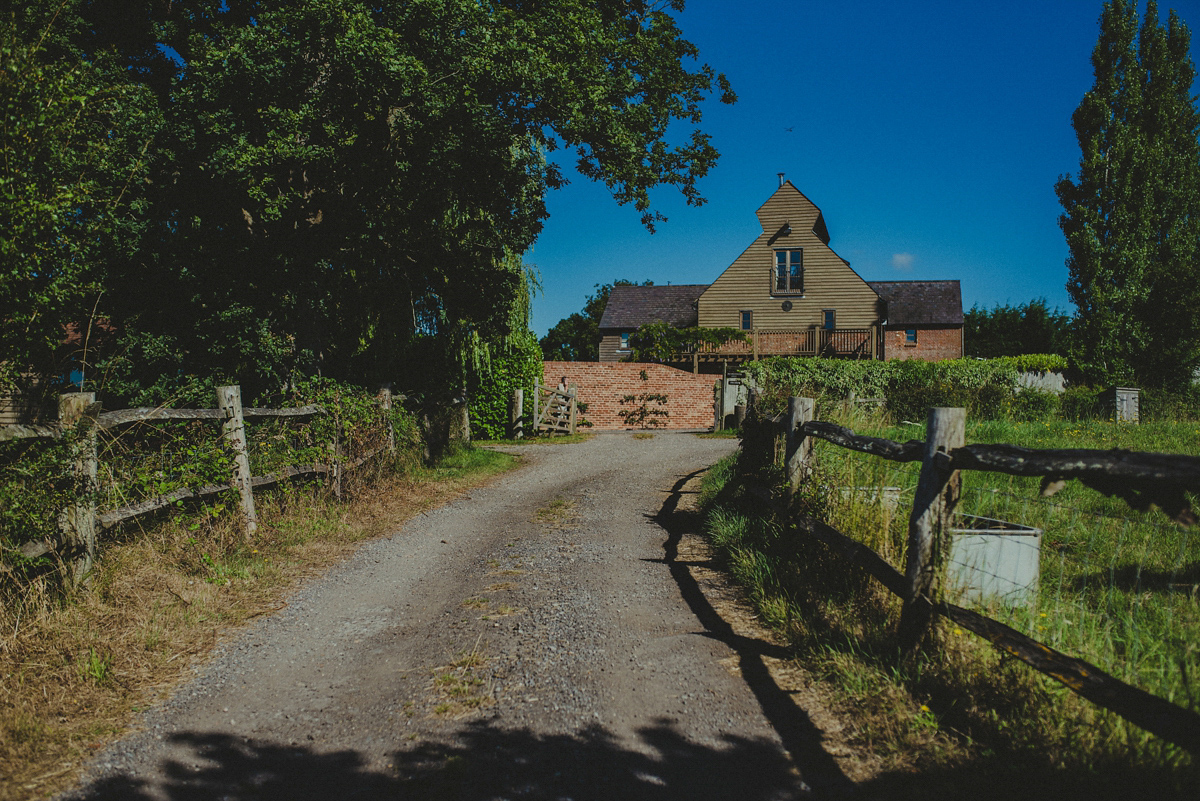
<point x="794" y="295"/>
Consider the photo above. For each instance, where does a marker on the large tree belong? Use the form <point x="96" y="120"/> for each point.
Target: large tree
<point x="1132" y="214"/>
<point x="339" y="183"/>
<point x="73" y="143"/>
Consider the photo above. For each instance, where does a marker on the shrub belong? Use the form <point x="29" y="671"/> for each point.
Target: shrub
<point x="1159" y="404"/>
<point x="984" y="387"/>
<point x="1034" y="362"/>
<point x="1080" y="403"/>
<point x="517" y="367"/>
<point x="1034" y="405"/>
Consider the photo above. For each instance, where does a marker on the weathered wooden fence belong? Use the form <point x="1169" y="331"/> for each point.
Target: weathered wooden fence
<point x="1140" y="479"/>
<point x="80" y="521"/>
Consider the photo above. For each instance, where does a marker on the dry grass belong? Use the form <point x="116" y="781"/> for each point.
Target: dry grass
<point x="459" y="690"/>
<point x="74" y="671"/>
<point x="559" y="510"/>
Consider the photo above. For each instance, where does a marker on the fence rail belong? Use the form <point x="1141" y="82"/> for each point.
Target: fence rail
<point x="1138" y="478"/>
<point x="79" y="411"/>
<point x="126" y="417"/>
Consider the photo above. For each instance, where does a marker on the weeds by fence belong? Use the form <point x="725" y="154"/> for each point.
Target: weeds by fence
<point x="96" y="470"/>
<point x="1117" y="590"/>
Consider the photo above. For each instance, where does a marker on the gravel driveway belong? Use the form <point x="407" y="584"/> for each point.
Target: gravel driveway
<point x="545" y="637"/>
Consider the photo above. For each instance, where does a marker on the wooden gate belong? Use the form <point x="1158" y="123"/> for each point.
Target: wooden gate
<point x="554" y="410"/>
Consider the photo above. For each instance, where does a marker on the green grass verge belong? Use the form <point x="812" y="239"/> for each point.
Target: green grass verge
<point x="1117" y="587"/>
<point x="558" y="439"/>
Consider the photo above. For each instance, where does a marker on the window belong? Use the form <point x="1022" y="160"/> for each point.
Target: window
<point x="910" y="336"/>
<point x="829" y="319"/>
<point x="789" y="272"/>
<point x="747" y="321"/>
<point x="624" y="340"/>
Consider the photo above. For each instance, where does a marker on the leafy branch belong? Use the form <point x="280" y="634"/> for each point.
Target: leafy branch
<point x="661" y="342"/>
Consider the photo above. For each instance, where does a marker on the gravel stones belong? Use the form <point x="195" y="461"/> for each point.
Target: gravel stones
<point x="533" y="640"/>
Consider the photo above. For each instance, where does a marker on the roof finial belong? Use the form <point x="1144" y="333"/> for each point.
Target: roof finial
<point x="780" y="180"/>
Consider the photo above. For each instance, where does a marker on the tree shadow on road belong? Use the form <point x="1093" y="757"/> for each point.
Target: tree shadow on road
<point x="479" y="762"/>
<point x="800" y="736"/>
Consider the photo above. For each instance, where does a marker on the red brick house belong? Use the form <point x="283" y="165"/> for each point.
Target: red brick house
<point x="924" y="319"/>
<point x="795" y="296"/>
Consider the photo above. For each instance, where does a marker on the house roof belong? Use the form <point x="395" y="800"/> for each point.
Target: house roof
<point x="632" y="306"/>
<point x="921" y="302"/>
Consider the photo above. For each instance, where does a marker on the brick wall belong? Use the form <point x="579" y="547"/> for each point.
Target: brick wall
<point x="601" y="387"/>
<point x="933" y="344"/>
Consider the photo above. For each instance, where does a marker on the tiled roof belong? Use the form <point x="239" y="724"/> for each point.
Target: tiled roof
<point x="921" y="302"/>
<point x="632" y="306"/>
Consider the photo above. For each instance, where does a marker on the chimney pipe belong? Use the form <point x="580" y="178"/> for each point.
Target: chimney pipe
<point x="780" y="180"/>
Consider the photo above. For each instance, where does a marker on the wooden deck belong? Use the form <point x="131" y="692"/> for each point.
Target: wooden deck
<point x="837" y="343"/>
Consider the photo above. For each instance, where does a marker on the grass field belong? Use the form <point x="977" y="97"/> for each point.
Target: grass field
<point x="1117" y="587"/>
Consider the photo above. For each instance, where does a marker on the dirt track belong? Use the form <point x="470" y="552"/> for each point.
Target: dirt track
<point x="556" y="635"/>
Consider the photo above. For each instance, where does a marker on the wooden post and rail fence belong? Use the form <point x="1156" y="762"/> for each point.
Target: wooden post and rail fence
<point x="1137" y="478"/>
<point x="80" y="521"/>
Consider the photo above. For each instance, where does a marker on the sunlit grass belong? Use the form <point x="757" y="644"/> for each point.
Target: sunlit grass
<point x="1117" y="587"/>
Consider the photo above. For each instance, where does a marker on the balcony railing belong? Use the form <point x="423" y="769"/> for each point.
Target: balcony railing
<point x="854" y="343"/>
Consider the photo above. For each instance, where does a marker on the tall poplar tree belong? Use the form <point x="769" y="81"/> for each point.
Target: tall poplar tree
<point x="1131" y="216"/>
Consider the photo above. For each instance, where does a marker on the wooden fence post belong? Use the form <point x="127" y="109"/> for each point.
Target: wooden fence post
<point x="573" y="392"/>
<point x="938" y="489"/>
<point x="516" y="426"/>
<point x="385" y="403"/>
<point x="77" y="521"/>
<point x="229" y="399"/>
<point x="537" y="394"/>
<point x="335" y="460"/>
<point x="799" y="445"/>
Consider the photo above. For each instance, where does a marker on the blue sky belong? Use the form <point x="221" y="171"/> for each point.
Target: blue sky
<point x="930" y="134"/>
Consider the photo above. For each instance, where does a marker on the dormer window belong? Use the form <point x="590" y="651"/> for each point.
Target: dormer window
<point x="789" y="272"/>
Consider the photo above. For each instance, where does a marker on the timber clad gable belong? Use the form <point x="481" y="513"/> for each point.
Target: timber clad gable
<point x="790" y="222"/>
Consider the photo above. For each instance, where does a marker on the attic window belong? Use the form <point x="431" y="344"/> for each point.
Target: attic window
<point x="788" y="278"/>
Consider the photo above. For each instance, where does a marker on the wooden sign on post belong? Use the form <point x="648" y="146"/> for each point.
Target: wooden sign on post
<point x="229" y="399"/>
<point x="77" y="521"/>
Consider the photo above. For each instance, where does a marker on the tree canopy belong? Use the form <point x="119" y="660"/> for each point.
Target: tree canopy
<point x="1132" y="214"/>
<point x="340" y="187"/>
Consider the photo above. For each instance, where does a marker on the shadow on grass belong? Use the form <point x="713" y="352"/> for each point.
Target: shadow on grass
<point x="1135" y="578"/>
<point x="482" y="763"/>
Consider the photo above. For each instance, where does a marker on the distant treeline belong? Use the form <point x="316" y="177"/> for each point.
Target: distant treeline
<point x="1007" y="330"/>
